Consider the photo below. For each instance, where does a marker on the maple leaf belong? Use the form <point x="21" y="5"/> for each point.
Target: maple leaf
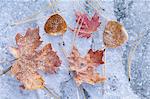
<point x="114" y="34"/>
<point x="85" y="67"/>
<point x="28" y="43"/>
<point x="55" y="25"/>
<point x="30" y="60"/>
<point x="24" y="71"/>
<point x="49" y="59"/>
<point x="97" y="56"/>
<point x="88" y="26"/>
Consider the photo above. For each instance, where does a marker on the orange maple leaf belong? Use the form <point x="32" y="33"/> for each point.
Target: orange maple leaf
<point x="30" y="60"/>
<point x="85" y="67"/>
<point x="88" y="26"/>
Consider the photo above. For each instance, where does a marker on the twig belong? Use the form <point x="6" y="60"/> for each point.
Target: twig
<point x="93" y="7"/>
<point x="74" y="36"/>
<point x="53" y="10"/>
<point x="104" y="71"/>
<point x="8" y="69"/>
<point x="104" y="67"/>
<point x="96" y="6"/>
<point x="7" y="62"/>
<point x="63" y="50"/>
<point x="131" y="53"/>
<point x="80" y="88"/>
<point x="26" y="21"/>
<point x="77" y="31"/>
<point x="31" y="18"/>
<point x="5" y="71"/>
<point x="56" y="96"/>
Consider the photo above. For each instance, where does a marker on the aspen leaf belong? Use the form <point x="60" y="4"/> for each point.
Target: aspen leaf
<point x="114" y="34"/>
<point x="55" y="25"/>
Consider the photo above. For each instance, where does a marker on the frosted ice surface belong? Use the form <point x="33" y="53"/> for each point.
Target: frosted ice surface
<point x="133" y="14"/>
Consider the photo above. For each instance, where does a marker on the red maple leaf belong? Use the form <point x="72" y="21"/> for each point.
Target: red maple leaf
<point x="88" y="26"/>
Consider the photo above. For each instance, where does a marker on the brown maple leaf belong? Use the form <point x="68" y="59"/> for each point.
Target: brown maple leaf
<point x="85" y="67"/>
<point x="49" y="59"/>
<point x="28" y="43"/>
<point x="26" y="72"/>
<point x="30" y="60"/>
<point x="55" y="25"/>
<point x="114" y="34"/>
<point x="88" y="26"/>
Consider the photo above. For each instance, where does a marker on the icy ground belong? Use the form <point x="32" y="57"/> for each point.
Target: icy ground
<point x="134" y="14"/>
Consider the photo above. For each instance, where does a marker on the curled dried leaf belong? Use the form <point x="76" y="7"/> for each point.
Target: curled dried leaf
<point x="85" y="67"/>
<point x="30" y="60"/>
<point x="114" y="34"/>
<point x="88" y="26"/>
<point x="55" y="25"/>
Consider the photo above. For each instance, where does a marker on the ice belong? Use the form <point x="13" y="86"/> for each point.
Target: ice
<point x="134" y="14"/>
<point x="136" y="21"/>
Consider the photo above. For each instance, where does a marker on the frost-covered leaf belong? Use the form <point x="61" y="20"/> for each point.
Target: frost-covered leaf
<point x="88" y="26"/>
<point x="28" y="43"/>
<point x="30" y="60"/>
<point x="85" y="67"/>
<point x="114" y="34"/>
<point x="55" y="25"/>
<point x="97" y="56"/>
<point x="49" y="59"/>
